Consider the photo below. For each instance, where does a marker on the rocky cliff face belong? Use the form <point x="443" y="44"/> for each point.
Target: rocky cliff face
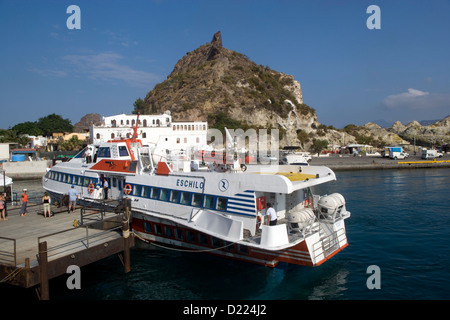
<point x="225" y="88"/>
<point x="437" y="133"/>
<point x="217" y="84"/>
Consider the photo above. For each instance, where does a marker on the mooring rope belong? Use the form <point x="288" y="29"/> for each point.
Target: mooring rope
<point x="182" y="250"/>
<point x="12" y="275"/>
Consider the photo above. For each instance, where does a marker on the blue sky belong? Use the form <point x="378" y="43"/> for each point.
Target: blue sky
<point x="348" y="73"/>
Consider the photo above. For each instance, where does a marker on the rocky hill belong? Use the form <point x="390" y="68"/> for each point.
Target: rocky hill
<point x="371" y="133"/>
<point x="225" y="87"/>
<point x="437" y="133"/>
<point x="86" y="121"/>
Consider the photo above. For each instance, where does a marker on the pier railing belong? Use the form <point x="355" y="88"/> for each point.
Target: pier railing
<point x="8" y="256"/>
<point x="80" y="237"/>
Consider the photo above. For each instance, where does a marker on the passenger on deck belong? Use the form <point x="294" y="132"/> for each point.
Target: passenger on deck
<point x="272" y="215"/>
<point x="88" y="154"/>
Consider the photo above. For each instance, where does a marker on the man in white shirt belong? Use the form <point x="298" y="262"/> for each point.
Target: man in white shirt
<point x="272" y="215"/>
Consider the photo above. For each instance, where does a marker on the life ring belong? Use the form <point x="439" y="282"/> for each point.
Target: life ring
<point x="91" y="188"/>
<point x="127" y="189"/>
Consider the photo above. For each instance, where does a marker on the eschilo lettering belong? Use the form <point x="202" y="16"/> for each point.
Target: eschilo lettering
<point x="187" y="183"/>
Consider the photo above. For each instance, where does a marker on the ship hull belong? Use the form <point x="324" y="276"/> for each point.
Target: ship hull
<point x="169" y="234"/>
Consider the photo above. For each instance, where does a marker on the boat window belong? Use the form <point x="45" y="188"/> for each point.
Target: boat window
<point x="158" y="229"/>
<point x="148" y="227"/>
<point x="168" y="232"/>
<point x="174" y="196"/>
<point x="64" y="178"/>
<point x="203" y="239"/>
<point x="190" y="236"/>
<point x="209" y="202"/>
<point x="80" y="154"/>
<point x="242" y="249"/>
<point x="145" y="191"/>
<point x="228" y="245"/>
<point x="164" y="194"/>
<point x="123" y="151"/>
<point x="185" y="197"/>
<point x="154" y="193"/>
<point x="222" y="204"/>
<point x="137" y="190"/>
<point x="86" y="182"/>
<point x="197" y="200"/>
<point x="104" y="152"/>
<point x="216" y="243"/>
<point x="179" y="234"/>
<point x="69" y="178"/>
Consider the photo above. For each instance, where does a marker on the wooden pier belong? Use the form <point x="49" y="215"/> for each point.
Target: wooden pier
<point x="34" y="249"/>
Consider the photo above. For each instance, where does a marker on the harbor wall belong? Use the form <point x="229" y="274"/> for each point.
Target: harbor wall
<point x="23" y="170"/>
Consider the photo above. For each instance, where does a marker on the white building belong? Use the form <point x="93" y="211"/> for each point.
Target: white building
<point x="153" y="129"/>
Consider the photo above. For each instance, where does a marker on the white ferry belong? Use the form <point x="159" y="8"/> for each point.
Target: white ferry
<point x="217" y="208"/>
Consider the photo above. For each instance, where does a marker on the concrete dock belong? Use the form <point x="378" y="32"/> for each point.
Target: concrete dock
<point x="349" y="162"/>
<point x="34" y="249"/>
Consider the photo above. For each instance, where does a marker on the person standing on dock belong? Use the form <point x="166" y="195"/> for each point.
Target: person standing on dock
<point x="2" y="207"/>
<point x="73" y="197"/>
<point x="46" y="202"/>
<point x="24" y="203"/>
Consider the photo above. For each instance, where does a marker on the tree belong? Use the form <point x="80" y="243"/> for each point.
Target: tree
<point x="54" y="123"/>
<point x="318" y="145"/>
<point x="140" y="106"/>
<point x="13" y="136"/>
<point x="72" y="144"/>
<point x="28" y="127"/>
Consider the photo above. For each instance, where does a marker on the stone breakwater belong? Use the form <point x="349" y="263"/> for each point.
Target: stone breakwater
<point x="24" y="170"/>
<point x="347" y="162"/>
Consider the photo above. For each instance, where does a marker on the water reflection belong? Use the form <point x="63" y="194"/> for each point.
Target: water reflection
<point x="332" y="287"/>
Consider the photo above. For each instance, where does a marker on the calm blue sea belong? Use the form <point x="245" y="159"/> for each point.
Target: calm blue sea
<point x="400" y="222"/>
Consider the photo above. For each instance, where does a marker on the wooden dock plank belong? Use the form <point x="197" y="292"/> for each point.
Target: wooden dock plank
<point x="27" y="229"/>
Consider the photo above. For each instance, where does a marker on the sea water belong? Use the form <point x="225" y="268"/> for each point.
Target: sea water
<point x="400" y="223"/>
